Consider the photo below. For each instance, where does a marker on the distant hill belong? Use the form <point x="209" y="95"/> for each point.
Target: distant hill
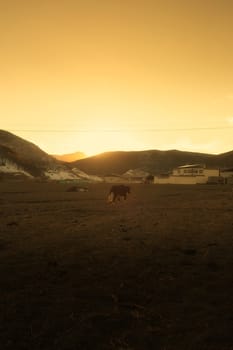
<point x="71" y="157"/>
<point x="22" y="159"/>
<point x="152" y="161"/>
<point x="24" y="154"/>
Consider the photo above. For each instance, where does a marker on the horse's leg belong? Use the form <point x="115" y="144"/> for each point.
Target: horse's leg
<point x="114" y="196"/>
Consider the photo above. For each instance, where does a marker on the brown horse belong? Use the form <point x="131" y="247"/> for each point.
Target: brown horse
<point x="118" y="191"/>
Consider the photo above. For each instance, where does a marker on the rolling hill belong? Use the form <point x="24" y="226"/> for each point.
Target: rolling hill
<point x="21" y="157"/>
<point x="152" y="161"/>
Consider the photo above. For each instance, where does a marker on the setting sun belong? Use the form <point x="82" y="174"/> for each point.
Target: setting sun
<point x="101" y="141"/>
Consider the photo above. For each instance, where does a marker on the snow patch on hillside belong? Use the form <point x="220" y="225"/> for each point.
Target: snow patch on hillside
<point x="136" y="172"/>
<point x="56" y="173"/>
<point x="60" y="175"/>
<point x="10" y="167"/>
<point x="84" y="176"/>
<point x="74" y="174"/>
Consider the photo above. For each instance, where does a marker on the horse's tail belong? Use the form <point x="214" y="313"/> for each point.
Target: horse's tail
<point x="110" y="197"/>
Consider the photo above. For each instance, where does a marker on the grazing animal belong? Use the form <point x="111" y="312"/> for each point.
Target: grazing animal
<point x="72" y="189"/>
<point x="118" y="191"/>
<point x="77" y="189"/>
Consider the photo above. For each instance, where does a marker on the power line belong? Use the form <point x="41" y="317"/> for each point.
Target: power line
<point x="122" y="130"/>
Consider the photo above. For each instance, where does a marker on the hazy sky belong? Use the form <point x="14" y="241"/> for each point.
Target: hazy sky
<point x="99" y="75"/>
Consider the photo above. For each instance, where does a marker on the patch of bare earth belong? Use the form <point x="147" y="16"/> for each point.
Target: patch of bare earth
<point x="151" y="272"/>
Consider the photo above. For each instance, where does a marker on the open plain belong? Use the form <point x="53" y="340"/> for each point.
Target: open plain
<point x="152" y="272"/>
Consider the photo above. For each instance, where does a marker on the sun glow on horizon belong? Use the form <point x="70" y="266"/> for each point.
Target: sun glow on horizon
<point x="100" y="76"/>
<point x="94" y="142"/>
<point x="89" y="142"/>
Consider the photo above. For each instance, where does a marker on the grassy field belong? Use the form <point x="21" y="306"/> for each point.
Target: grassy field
<point x="152" y="272"/>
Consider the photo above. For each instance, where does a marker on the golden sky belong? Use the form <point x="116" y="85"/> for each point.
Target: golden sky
<point x="105" y="75"/>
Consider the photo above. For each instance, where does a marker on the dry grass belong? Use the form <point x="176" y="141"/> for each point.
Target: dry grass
<point x="152" y="272"/>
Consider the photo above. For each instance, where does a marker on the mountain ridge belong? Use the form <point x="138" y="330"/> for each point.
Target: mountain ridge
<point x="152" y="161"/>
<point x="21" y="156"/>
<point x="69" y="157"/>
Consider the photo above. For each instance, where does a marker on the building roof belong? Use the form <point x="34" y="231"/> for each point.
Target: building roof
<point x="191" y="166"/>
<point x="226" y="170"/>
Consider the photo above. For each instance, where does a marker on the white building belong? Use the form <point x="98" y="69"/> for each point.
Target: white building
<point x="227" y="175"/>
<point x="135" y="175"/>
<point x="190" y="174"/>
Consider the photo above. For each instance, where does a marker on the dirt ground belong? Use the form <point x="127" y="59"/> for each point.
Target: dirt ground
<point x="152" y="272"/>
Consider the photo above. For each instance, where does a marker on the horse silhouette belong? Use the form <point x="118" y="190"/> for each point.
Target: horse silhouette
<point x="117" y="192"/>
